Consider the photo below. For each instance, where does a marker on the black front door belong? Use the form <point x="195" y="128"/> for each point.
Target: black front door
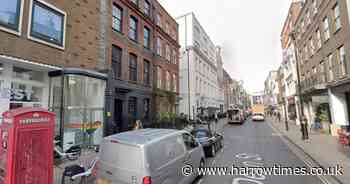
<point x="118" y="113"/>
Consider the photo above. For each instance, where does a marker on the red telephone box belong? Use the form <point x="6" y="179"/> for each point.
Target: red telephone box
<point x="26" y="151"/>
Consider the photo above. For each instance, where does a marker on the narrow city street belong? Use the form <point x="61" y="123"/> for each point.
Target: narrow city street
<point x="258" y="143"/>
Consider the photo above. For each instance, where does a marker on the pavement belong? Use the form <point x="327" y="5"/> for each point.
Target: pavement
<point x="323" y="148"/>
<point x="259" y="144"/>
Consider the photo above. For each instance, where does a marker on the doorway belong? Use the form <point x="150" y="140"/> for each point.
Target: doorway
<point x="118" y="114"/>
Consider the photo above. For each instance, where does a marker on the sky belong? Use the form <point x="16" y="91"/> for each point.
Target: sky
<point x="247" y="30"/>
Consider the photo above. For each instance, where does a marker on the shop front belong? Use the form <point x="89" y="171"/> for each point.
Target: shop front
<point x="78" y="99"/>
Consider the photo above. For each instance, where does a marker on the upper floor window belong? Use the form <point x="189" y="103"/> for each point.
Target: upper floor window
<point x="167" y="52"/>
<point x="343" y="61"/>
<point x="174" y="83"/>
<point x="133" y="67"/>
<point x="146" y="72"/>
<point x="168" y="81"/>
<point x="174" y="56"/>
<point x="337" y="17"/>
<point x="147" y="8"/>
<point x="133" y="28"/>
<point x="117" y="61"/>
<point x="47" y="23"/>
<point x="330" y="67"/>
<point x="117" y="18"/>
<point x="326" y="28"/>
<point x="159" y="46"/>
<point x="159" y="77"/>
<point x="314" y="6"/>
<point x="10" y="12"/>
<point x="167" y="27"/>
<point x="136" y="2"/>
<point x="146" y="37"/>
<point x="319" y="39"/>
<point x="158" y="20"/>
<point x="312" y="46"/>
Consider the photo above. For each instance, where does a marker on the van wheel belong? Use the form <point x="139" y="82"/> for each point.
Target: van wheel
<point x="213" y="151"/>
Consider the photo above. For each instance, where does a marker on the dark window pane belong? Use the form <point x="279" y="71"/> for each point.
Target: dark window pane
<point x="146" y="72"/>
<point x="147" y="9"/>
<point x="9" y="13"/>
<point x="132" y="111"/>
<point x="47" y="24"/>
<point x="117" y="61"/>
<point x="133" y="67"/>
<point x="146" y="37"/>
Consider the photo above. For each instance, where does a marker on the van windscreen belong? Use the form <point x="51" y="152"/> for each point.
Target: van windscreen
<point x="122" y="156"/>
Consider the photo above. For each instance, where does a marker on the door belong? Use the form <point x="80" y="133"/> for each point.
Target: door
<point x="192" y="157"/>
<point x="30" y="167"/>
<point x="118" y="113"/>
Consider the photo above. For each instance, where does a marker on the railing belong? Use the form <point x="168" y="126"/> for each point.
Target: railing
<point x="320" y="78"/>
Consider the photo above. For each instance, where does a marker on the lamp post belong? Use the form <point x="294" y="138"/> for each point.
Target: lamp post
<point x="303" y="120"/>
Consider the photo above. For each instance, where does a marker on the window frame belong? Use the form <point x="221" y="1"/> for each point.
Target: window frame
<point x="147" y="11"/>
<point x="342" y="60"/>
<point x="18" y="30"/>
<point x="336" y="14"/>
<point x="326" y="30"/>
<point x="117" y="75"/>
<point x="131" y="30"/>
<point x="146" y="72"/>
<point x="116" y="18"/>
<point x="132" y="68"/>
<point x="148" y="45"/>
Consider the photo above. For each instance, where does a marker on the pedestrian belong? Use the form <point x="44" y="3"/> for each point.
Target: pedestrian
<point x="279" y="116"/>
<point x="138" y="125"/>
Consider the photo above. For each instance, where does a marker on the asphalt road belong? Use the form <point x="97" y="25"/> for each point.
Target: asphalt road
<point x="255" y="143"/>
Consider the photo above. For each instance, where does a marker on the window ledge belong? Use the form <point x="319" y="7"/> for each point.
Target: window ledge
<point x="38" y="40"/>
<point x="11" y="31"/>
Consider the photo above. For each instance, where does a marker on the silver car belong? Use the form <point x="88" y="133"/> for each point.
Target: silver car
<point x="149" y="156"/>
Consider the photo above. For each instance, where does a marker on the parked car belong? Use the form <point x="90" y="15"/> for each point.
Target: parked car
<point x="235" y="115"/>
<point x="211" y="142"/>
<point x="149" y="156"/>
<point x="258" y="117"/>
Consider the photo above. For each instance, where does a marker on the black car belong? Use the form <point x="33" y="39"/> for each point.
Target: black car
<point x="211" y="142"/>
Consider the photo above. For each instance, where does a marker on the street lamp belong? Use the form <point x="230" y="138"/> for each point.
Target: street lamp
<point x="303" y="121"/>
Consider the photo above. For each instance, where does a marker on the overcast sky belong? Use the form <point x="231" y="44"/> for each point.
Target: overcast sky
<point x="248" y="30"/>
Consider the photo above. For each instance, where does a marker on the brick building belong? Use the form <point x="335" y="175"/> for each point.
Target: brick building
<point x="142" y="44"/>
<point x="50" y="57"/>
<point x="323" y="44"/>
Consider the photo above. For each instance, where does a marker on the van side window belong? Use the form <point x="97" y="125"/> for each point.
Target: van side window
<point x="189" y="141"/>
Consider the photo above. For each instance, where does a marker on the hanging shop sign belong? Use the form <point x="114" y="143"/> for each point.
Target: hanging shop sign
<point x="16" y="94"/>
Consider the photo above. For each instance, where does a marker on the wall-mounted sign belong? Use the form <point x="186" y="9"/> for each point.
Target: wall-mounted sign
<point x="16" y="94"/>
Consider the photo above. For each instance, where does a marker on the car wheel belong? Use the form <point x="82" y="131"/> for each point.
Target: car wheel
<point x="213" y="151"/>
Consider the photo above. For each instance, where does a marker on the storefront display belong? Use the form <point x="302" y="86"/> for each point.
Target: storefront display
<point x="81" y="121"/>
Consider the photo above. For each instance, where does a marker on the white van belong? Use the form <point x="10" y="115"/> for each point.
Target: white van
<point x="149" y="156"/>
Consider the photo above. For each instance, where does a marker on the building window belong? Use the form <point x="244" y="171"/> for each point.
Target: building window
<point x="10" y="12"/>
<point x="146" y="106"/>
<point x="343" y="60"/>
<point x="159" y="77"/>
<point x="117" y="61"/>
<point x="133" y="28"/>
<point x="337" y="17"/>
<point x="47" y="24"/>
<point x="167" y="27"/>
<point x="147" y="8"/>
<point x="159" y="46"/>
<point x="312" y="46"/>
<point x="146" y="72"/>
<point x="132" y="110"/>
<point x="168" y="83"/>
<point x="330" y="67"/>
<point x="326" y="28"/>
<point x="175" y="83"/>
<point x="314" y="6"/>
<point x="158" y="20"/>
<point x="136" y="2"/>
<point x="146" y="37"/>
<point x="133" y="67"/>
<point x="319" y="39"/>
<point x="167" y="52"/>
<point x="117" y="18"/>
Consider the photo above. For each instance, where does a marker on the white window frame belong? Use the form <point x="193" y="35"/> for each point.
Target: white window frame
<point x="43" y="41"/>
<point x="326" y="29"/>
<point x="337" y="21"/>
<point x="11" y="31"/>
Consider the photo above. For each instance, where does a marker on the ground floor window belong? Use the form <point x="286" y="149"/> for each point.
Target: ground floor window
<point x="78" y="102"/>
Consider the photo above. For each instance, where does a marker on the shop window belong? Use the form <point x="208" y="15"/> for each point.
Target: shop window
<point x="26" y="74"/>
<point x="47" y="24"/>
<point x="10" y="14"/>
<point x="25" y="95"/>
